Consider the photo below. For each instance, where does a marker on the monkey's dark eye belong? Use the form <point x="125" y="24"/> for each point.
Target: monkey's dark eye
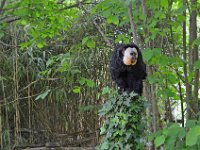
<point x="132" y="53"/>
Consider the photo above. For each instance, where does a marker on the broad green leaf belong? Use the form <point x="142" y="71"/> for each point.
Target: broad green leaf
<point x="182" y="133"/>
<point x="156" y="51"/>
<point x="115" y="20"/>
<point x="197" y="64"/>
<point x="172" y="78"/>
<point x="154" y="78"/>
<point x="181" y="9"/>
<point x="90" y="83"/>
<point x="159" y="140"/>
<point x="91" y="43"/>
<point x="197" y="41"/>
<point x="107" y="13"/>
<point x="77" y="90"/>
<point x="43" y="95"/>
<point x="23" y="22"/>
<point x="190" y="123"/>
<point x="181" y="18"/>
<point x="164" y="3"/>
<point x="152" y="136"/>
<point x="41" y="44"/>
<point x="84" y="40"/>
<point x="163" y="60"/>
<point x="105" y="145"/>
<point x="82" y="81"/>
<point x="192" y="136"/>
<point x="147" y="55"/>
<point x="190" y="76"/>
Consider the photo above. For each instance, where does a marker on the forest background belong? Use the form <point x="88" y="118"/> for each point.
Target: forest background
<point x="54" y="74"/>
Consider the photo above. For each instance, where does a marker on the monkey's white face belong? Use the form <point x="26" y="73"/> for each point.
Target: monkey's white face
<point x="130" y="56"/>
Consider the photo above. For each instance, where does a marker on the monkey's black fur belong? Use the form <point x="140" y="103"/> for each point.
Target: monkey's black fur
<point x="128" y="77"/>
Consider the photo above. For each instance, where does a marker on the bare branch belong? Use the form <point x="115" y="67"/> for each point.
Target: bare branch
<point x="10" y="19"/>
<point x="5" y="44"/>
<point x="102" y="34"/>
<point x="75" y="5"/>
<point x="2" y="5"/>
<point x="136" y="38"/>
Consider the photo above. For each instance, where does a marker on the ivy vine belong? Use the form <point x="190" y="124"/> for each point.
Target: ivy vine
<point x="123" y="122"/>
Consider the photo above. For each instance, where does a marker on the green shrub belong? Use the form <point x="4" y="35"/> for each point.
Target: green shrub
<point x="175" y="137"/>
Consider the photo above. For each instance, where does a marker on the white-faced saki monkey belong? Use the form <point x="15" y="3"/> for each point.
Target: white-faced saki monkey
<point x="127" y="68"/>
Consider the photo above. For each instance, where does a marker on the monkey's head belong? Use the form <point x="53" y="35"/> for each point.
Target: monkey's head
<point x="130" y="56"/>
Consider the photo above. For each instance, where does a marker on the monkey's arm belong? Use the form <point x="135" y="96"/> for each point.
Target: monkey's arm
<point x="119" y="78"/>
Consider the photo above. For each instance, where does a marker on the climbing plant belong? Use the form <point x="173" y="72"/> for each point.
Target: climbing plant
<point x="124" y="124"/>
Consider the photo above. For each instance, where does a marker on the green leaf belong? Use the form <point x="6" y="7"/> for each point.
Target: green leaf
<point x="90" y="83"/>
<point x="91" y="43"/>
<point x="163" y="60"/>
<point x="49" y="62"/>
<point x="182" y="133"/>
<point x="84" y="40"/>
<point x="115" y="20"/>
<point x="105" y="145"/>
<point x="77" y="90"/>
<point x="152" y="136"/>
<point x="23" y="22"/>
<point x="190" y="123"/>
<point x="197" y="41"/>
<point x="172" y="78"/>
<point x="1" y="34"/>
<point x="43" y="95"/>
<point x="197" y="64"/>
<point x="82" y="81"/>
<point x="147" y="55"/>
<point x="41" y="44"/>
<point x="181" y="9"/>
<point x="102" y="130"/>
<point x="164" y="3"/>
<point x="156" y="51"/>
<point x="153" y="78"/>
<point x="159" y="140"/>
<point x="107" y="13"/>
<point x="106" y="90"/>
<point x="192" y="136"/>
<point x="181" y="18"/>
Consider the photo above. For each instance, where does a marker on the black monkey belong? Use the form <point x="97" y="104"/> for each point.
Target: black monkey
<point x="127" y="68"/>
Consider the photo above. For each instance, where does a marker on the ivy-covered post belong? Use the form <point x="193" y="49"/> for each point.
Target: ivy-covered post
<point x="123" y="122"/>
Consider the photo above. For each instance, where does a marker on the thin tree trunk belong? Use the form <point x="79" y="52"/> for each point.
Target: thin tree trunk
<point x="193" y="56"/>
<point x="149" y="90"/>
<point x="136" y="38"/>
<point x="185" y="67"/>
<point x="1" y="128"/>
<point x="182" y="109"/>
<point x="16" y="86"/>
<point x="29" y="108"/>
<point x="6" y="111"/>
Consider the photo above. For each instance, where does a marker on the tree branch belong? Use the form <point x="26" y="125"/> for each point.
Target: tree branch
<point x="2" y="5"/>
<point x="10" y="19"/>
<point x="102" y="34"/>
<point x="75" y="5"/>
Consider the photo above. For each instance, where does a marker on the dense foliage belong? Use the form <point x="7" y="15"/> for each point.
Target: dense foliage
<point x="54" y="58"/>
<point x="124" y="123"/>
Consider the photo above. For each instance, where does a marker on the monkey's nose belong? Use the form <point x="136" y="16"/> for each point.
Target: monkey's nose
<point x="133" y="58"/>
